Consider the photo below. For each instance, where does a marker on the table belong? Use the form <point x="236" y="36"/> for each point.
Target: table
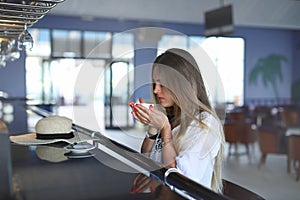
<point x="86" y="178"/>
<point x="108" y="174"/>
<point x="293" y="131"/>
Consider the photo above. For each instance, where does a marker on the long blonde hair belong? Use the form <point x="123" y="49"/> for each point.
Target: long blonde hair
<point x="181" y="77"/>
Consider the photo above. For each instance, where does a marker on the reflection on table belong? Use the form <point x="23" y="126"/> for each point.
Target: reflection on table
<point x="36" y="176"/>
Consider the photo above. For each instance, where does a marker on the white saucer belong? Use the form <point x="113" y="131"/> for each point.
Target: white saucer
<point x="80" y="148"/>
<point x="76" y="155"/>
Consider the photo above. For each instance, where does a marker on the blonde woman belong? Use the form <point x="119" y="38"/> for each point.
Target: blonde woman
<point x="184" y="131"/>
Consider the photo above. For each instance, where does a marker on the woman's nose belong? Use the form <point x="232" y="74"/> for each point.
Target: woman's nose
<point x="157" y="89"/>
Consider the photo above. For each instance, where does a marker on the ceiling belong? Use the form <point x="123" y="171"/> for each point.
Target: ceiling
<point x="254" y="13"/>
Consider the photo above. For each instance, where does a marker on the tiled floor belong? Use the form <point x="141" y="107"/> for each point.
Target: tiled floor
<point x="271" y="181"/>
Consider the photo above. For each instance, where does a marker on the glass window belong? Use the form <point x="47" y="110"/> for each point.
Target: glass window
<point x="97" y="44"/>
<point x="172" y="41"/>
<point x="34" y="78"/>
<point x="123" y="45"/>
<point x="66" y="43"/>
<point x="228" y="56"/>
<point x="41" y="42"/>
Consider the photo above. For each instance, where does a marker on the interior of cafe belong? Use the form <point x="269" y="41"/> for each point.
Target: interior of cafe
<point x="88" y="60"/>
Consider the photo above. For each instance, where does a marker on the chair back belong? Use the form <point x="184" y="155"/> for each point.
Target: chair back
<point x="236" y="116"/>
<point x="267" y="141"/>
<point x="248" y="135"/>
<point x="289" y="118"/>
<point x="231" y="132"/>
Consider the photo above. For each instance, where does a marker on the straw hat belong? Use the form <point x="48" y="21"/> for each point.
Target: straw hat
<point x="49" y="130"/>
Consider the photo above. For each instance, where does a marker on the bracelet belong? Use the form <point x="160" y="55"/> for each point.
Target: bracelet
<point x="167" y="139"/>
<point x="151" y="136"/>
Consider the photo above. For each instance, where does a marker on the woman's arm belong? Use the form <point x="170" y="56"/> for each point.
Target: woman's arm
<point x="149" y="140"/>
<point x="147" y="145"/>
<point x="168" y="151"/>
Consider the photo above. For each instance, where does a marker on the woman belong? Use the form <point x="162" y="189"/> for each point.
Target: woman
<point x="184" y="131"/>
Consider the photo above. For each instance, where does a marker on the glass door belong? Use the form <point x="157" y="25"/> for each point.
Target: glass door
<point x="118" y="86"/>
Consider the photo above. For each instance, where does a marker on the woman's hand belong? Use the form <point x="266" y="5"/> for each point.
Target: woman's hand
<point x="156" y="120"/>
<point x="151" y="116"/>
<point x="142" y="183"/>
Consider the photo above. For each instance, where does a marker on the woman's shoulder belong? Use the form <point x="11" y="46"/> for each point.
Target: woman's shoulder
<point x="203" y="139"/>
<point x="212" y="128"/>
<point x="204" y="115"/>
<point x="205" y="122"/>
<point x="207" y="118"/>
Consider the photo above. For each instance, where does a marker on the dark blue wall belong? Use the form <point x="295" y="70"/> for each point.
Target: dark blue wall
<point x="259" y="43"/>
<point x="12" y="78"/>
<point x="296" y="56"/>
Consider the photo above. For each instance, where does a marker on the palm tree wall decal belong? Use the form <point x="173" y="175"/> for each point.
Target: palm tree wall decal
<point x="269" y="68"/>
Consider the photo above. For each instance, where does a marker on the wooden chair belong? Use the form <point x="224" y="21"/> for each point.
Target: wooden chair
<point x="239" y="133"/>
<point x="231" y="137"/>
<point x="289" y="118"/>
<point x="294" y="154"/>
<point x="236" y="116"/>
<point x="269" y="143"/>
<point x="237" y="192"/>
<point x="247" y="137"/>
<point x="262" y="115"/>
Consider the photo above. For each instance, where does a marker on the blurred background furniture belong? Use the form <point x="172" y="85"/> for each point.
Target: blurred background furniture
<point x="294" y="154"/>
<point x="289" y="115"/>
<point x="231" y="137"/>
<point x="261" y="115"/>
<point x="275" y="129"/>
<point x="267" y="143"/>
<point x="290" y="118"/>
<point x="238" y="129"/>
<point x="271" y="140"/>
<point x="248" y="138"/>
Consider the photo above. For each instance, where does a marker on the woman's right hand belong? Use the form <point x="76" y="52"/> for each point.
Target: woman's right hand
<point x="151" y="116"/>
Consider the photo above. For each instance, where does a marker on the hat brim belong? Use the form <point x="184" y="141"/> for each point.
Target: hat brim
<point x="30" y="139"/>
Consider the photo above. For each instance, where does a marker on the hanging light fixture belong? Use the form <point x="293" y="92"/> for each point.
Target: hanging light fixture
<point x="15" y="18"/>
<point x="25" y="41"/>
<point x="13" y="53"/>
<point x="3" y="49"/>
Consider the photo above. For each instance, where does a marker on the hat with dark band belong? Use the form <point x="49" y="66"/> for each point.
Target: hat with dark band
<point x="49" y="130"/>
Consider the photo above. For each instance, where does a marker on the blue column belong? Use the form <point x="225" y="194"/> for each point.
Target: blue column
<point x="145" y="53"/>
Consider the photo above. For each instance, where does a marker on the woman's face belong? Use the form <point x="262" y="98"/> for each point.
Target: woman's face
<point x="163" y="94"/>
